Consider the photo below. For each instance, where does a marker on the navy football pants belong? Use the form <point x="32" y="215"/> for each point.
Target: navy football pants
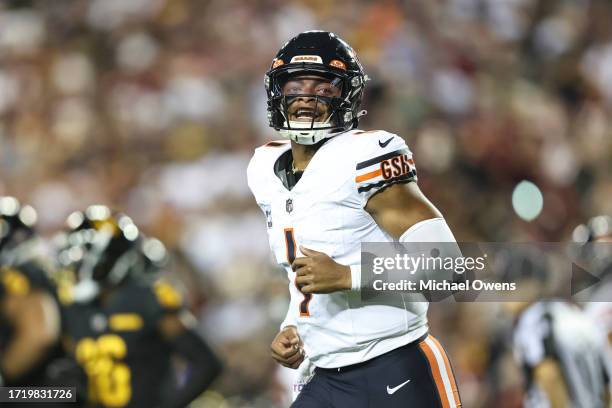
<point x="418" y="375"/>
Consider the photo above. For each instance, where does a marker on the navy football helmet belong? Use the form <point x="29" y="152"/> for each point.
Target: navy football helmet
<point x="321" y="54"/>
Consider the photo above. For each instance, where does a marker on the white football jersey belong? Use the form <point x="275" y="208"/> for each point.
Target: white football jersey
<point x="561" y="331"/>
<point x="324" y="211"/>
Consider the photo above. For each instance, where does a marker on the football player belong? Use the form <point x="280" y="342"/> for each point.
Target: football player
<point x="595" y="237"/>
<point x="562" y="352"/>
<point x="324" y="190"/>
<point x="121" y="329"/>
<point x="29" y="313"/>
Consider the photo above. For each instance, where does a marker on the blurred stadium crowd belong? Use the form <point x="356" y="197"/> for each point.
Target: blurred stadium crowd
<point x="155" y="106"/>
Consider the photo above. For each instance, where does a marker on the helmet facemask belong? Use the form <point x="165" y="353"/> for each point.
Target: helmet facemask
<point x="329" y="115"/>
<point x="318" y="54"/>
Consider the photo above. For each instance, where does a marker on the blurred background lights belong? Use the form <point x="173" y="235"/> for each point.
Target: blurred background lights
<point x="9" y="206"/>
<point x="601" y="225"/>
<point x="527" y="200"/>
<point x="75" y="219"/>
<point x="130" y="232"/>
<point x="580" y="234"/>
<point x="28" y="215"/>
<point x="154" y="250"/>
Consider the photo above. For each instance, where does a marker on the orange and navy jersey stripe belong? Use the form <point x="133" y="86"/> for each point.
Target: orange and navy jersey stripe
<point x="384" y="170"/>
<point x="441" y="372"/>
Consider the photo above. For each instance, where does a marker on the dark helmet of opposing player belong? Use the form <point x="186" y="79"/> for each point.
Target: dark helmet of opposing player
<point x="17" y="225"/>
<point x="99" y="245"/>
<point x="321" y="54"/>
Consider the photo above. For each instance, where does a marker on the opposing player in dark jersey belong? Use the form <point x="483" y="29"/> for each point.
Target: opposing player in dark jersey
<point x="29" y="314"/>
<point x="122" y="330"/>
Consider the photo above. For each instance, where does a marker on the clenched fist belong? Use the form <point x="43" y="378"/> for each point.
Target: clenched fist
<point x="319" y="273"/>
<point x="287" y="348"/>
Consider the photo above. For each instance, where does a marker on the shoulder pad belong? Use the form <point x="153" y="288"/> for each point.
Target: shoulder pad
<point x="382" y="159"/>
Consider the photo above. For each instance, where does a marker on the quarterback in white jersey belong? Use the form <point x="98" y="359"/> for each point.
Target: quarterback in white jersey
<point x="324" y="191"/>
<point x="325" y="210"/>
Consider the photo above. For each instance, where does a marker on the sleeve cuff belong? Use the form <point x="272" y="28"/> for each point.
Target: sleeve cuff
<point x="355" y="277"/>
<point x="287" y="323"/>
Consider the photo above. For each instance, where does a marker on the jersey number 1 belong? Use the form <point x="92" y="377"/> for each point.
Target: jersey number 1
<point x="291" y="251"/>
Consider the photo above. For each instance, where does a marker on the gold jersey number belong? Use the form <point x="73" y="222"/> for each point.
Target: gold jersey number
<point x="109" y="379"/>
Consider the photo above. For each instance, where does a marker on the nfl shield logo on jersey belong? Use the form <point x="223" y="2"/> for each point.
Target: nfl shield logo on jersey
<point x="289" y="205"/>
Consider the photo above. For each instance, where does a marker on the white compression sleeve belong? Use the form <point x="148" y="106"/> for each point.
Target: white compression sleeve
<point x="431" y="230"/>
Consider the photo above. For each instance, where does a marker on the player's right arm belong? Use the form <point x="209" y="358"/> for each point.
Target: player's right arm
<point x="287" y="348"/>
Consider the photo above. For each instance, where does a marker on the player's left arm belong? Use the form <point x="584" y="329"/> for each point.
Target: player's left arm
<point x="385" y="182"/>
<point x="399" y="207"/>
<point x="177" y="328"/>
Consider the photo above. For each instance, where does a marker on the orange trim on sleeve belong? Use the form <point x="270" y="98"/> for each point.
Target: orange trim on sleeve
<point x="368" y="176"/>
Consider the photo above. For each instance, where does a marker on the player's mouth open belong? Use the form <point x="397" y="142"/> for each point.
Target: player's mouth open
<point x="305" y="114"/>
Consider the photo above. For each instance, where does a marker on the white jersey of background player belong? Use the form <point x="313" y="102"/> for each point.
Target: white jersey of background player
<point x="597" y="235"/>
<point x="563" y="355"/>
<point x="326" y="190"/>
